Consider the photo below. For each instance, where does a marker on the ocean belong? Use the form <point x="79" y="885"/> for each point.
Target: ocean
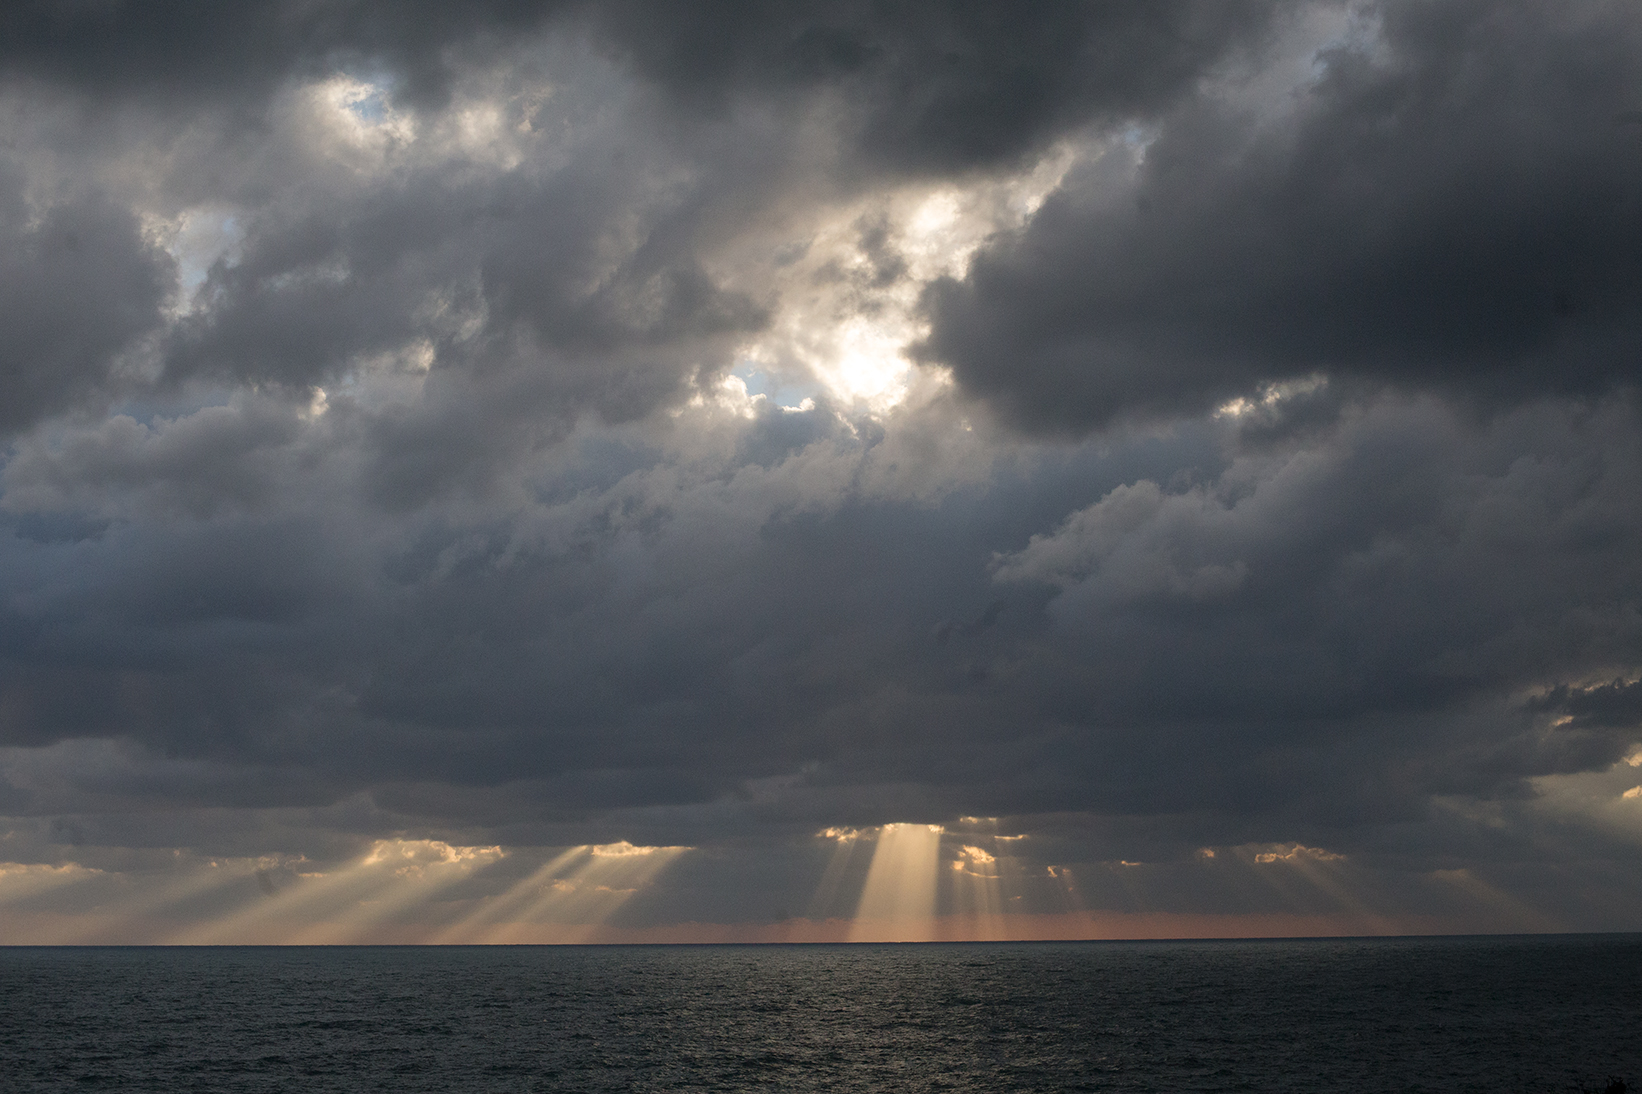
<point x="1449" y="1015"/>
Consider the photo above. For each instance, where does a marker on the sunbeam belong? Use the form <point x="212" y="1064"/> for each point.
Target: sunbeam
<point x="1514" y="914"/>
<point x="347" y="904"/>
<point x="18" y="881"/>
<point x="572" y="907"/>
<point x="478" y="924"/>
<point x="845" y="842"/>
<point x="898" y="899"/>
<point x="977" y="890"/>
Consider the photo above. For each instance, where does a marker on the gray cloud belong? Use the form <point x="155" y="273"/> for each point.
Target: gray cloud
<point x="573" y="284"/>
<point x="935" y="86"/>
<point x="1450" y="205"/>
<point x="177" y="50"/>
<point x="1615" y="704"/>
<point x="77" y="285"/>
<point x="492" y="430"/>
<point x="939" y="87"/>
<point x="1218" y="647"/>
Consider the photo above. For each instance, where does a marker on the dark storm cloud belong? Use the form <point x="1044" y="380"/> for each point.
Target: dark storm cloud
<point x="332" y="267"/>
<point x="1616" y="704"/>
<point x="1453" y="204"/>
<point x="191" y="48"/>
<point x="936" y="85"/>
<point x="1324" y="634"/>
<point x="77" y="285"/>
<point x="665" y="619"/>
<point x="371" y="272"/>
<point x="1326" y="650"/>
<point x="533" y="567"/>
<point x="939" y="87"/>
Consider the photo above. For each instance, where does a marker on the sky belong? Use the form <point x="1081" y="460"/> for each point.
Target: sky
<point x="726" y="471"/>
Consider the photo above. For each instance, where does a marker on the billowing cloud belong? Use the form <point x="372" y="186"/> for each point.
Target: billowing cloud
<point x="938" y="87"/>
<point x="79" y="285"/>
<point x="1447" y="201"/>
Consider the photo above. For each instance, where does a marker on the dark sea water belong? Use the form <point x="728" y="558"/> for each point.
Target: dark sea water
<point x="1458" y="1014"/>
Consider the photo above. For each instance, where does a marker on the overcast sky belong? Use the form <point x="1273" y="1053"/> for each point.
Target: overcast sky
<point x="719" y="469"/>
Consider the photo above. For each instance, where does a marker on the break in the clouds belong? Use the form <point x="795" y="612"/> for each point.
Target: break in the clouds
<point x="509" y="472"/>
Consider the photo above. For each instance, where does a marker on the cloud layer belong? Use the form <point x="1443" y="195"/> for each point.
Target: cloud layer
<point x="576" y="449"/>
<point x="1450" y="204"/>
